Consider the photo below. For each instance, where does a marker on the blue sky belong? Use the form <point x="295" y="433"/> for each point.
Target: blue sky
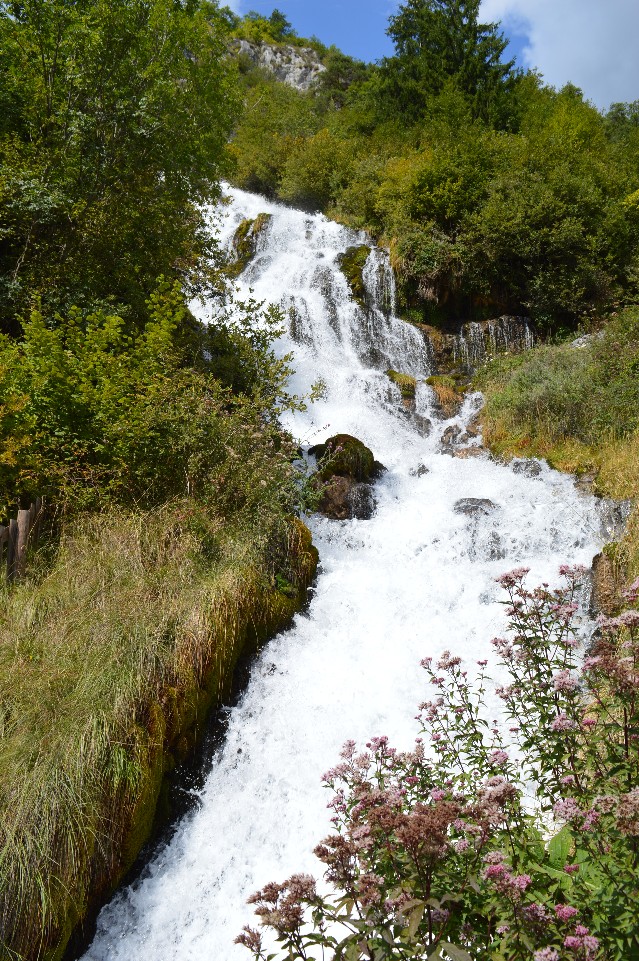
<point x="592" y="43"/>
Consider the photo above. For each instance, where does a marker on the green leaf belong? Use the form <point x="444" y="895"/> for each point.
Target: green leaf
<point x="559" y="847"/>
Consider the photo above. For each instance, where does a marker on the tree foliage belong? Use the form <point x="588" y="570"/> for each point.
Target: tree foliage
<point x="115" y="115"/>
<point x="529" y="208"/>
<point x="441" y="40"/>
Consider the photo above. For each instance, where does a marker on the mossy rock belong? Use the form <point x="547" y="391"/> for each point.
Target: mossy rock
<point x="407" y="384"/>
<point x="345" y="456"/>
<point x="245" y="242"/>
<point x="352" y="263"/>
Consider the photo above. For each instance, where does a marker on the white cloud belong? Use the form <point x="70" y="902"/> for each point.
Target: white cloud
<point x="591" y="43"/>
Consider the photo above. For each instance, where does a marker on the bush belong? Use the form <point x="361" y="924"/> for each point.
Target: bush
<point x="553" y="393"/>
<point x="490" y="844"/>
<point x="94" y="415"/>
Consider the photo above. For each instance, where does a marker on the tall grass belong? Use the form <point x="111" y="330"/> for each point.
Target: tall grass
<point x="577" y="407"/>
<point x="106" y="663"/>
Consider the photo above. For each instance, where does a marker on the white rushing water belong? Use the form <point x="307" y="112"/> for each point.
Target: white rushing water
<point x="414" y="580"/>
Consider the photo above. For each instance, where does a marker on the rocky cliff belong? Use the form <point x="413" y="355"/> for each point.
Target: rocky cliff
<point x="299" y="67"/>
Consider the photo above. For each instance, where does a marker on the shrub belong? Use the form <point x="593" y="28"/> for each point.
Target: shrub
<point x="495" y="843"/>
<point x="94" y="415"/>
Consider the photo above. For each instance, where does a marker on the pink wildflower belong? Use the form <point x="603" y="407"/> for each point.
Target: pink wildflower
<point x="562" y="723"/>
<point x="565" y="912"/>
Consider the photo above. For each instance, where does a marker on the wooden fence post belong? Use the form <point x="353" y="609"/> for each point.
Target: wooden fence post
<point x="24" y="529"/>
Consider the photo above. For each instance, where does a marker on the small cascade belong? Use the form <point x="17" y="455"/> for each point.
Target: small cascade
<point x="478" y="341"/>
<point x="379" y="282"/>
<point x="415" y="579"/>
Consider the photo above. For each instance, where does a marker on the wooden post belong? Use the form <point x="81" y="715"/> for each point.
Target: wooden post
<point x="24" y="528"/>
<point x="12" y="550"/>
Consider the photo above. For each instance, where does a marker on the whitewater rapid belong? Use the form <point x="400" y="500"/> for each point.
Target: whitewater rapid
<point x="414" y="580"/>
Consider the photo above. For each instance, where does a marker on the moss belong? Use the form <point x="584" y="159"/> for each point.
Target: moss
<point x="352" y="263"/>
<point x="245" y="242"/>
<point x="407" y="384"/>
<point x="344" y="456"/>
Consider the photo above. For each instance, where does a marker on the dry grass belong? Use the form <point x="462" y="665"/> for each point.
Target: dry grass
<point x="103" y="665"/>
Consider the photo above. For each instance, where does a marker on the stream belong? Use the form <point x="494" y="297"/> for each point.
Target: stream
<point x="414" y="580"/>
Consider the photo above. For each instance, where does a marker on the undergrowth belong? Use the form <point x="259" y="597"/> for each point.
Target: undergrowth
<point x="576" y="407"/>
<point x="105" y="661"/>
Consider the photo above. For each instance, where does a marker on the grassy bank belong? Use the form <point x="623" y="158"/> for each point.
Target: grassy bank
<point x="108" y="664"/>
<point x="576" y="407"/>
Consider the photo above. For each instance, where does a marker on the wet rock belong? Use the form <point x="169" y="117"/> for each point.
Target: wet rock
<point x="473" y="506"/>
<point x="490" y="548"/>
<point x="344" y="499"/>
<point x="613" y="517"/>
<point x="473" y="427"/>
<point x="423" y="425"/>
<point x="526" y="466"/>
<point x="466" y="453"/>
<point x="352" y="263"/>
<point x="451" y="435"/>
<point x="585" y="483"/>
<point x="245" y="242"/>
<point x="419" y="471"/>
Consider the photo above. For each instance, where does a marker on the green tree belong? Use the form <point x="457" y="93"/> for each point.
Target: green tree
<point x="440" y="39"/>
<point x="115" y="115"/>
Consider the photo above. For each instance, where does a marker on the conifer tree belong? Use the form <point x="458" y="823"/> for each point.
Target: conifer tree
<point x="437" y="41"/>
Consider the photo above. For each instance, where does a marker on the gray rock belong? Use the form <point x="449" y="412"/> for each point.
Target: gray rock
<point x="299" y="67"/>
<point x="423" y="424"/>
<point x="472" y="506"/>
<point x="451" y="435"/>
<point x="420" y="471"/>
<point x="526" y="466"/>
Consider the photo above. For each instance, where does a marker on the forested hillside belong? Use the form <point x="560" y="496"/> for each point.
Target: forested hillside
<point x="495" y="192"/>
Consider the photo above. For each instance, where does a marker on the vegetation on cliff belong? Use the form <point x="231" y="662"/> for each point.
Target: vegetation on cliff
<point x="153" y="438"/>
<point x="110" y="657"/>
<point x="576" y="406"/>
<point x="496" y="194"/>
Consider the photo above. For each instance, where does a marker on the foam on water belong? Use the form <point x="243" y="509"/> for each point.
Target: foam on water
<point x="414" y="580"/>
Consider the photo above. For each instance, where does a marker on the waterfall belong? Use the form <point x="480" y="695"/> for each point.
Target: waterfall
<point x="479" y="340"/>
<point x="415" y="579"/>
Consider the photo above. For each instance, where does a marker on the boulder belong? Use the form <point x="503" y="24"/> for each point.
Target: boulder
<point x="527" y="466"/>
<point x="474" y="506"/>
<point x="245" y="242"/>
<point x="345" y="469"/>
<point x="346" y="456"/>
<point x="352" y="263"/>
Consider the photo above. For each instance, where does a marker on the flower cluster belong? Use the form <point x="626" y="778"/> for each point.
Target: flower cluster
<point x="441" y="846"/>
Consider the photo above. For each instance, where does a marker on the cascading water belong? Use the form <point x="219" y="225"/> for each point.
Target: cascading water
<point x="414" y="580"/>
<point x="479" y="340"/>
